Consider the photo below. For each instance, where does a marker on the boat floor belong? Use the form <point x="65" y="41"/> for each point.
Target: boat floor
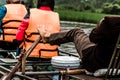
<point x="71" y="77"/>
<point x="88" y="77"/>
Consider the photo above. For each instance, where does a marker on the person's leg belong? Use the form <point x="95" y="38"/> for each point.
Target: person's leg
<point x="77" y="35"/>
<point x="5" y="48"/>
<point x="81" y="41"/>
<point x="18" y="51"/>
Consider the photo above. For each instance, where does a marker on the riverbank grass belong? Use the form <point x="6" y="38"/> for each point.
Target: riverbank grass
<point x="80" y="16"/>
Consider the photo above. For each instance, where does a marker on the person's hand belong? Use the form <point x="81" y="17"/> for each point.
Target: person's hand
<point x="42" y="33"/>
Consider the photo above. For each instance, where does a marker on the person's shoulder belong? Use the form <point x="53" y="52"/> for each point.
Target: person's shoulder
<point x="2" y="8"/>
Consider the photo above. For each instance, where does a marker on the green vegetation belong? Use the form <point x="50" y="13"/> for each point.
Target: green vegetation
<point x="89" y="17"/>
<point x="96" y="6"/>
<point x="90" y="11"/>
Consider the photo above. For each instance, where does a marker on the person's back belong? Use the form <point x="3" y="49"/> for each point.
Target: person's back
<point x="10" y="16"/>
<point x="15" y="12"/>
<point x="48" y="22"/>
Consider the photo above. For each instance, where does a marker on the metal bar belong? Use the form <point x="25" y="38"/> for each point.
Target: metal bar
<point x="61" y="72"/>
<point x="40" y="73"/>
<point x="2" y="73"/>
<point x="115" y="62"/>
<point x="117" y="68"/>
<point x="7" y="50"/>
<point x="113" y="56"/>
<point x="5" y="70"/>
<point x="27" y="64"/>
<point x="11" y="73"/>
<point x="75" y="77"/>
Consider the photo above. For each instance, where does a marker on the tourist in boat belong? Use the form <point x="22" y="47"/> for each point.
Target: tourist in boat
<point x="10" y="16"/>
<point x="47" y="20"/>
<point x="94" y="50"/>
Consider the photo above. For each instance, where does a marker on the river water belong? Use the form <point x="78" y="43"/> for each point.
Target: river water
<point x="69" y="48"/>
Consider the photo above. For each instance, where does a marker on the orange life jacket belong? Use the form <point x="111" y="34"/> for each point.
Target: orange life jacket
<point x="47" y="21"/>
<point x="14" y="15"/>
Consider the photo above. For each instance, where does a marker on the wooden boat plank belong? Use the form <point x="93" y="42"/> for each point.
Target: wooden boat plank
<point x="88" y="77"/>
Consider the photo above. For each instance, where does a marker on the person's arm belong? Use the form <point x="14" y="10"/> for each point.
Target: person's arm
<point x="107" y="30"/>
<point x="100" y="34"/>
<point x="2" y="14"/>
<point x="21" y="29"/>
<point x="96" y="36"/>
